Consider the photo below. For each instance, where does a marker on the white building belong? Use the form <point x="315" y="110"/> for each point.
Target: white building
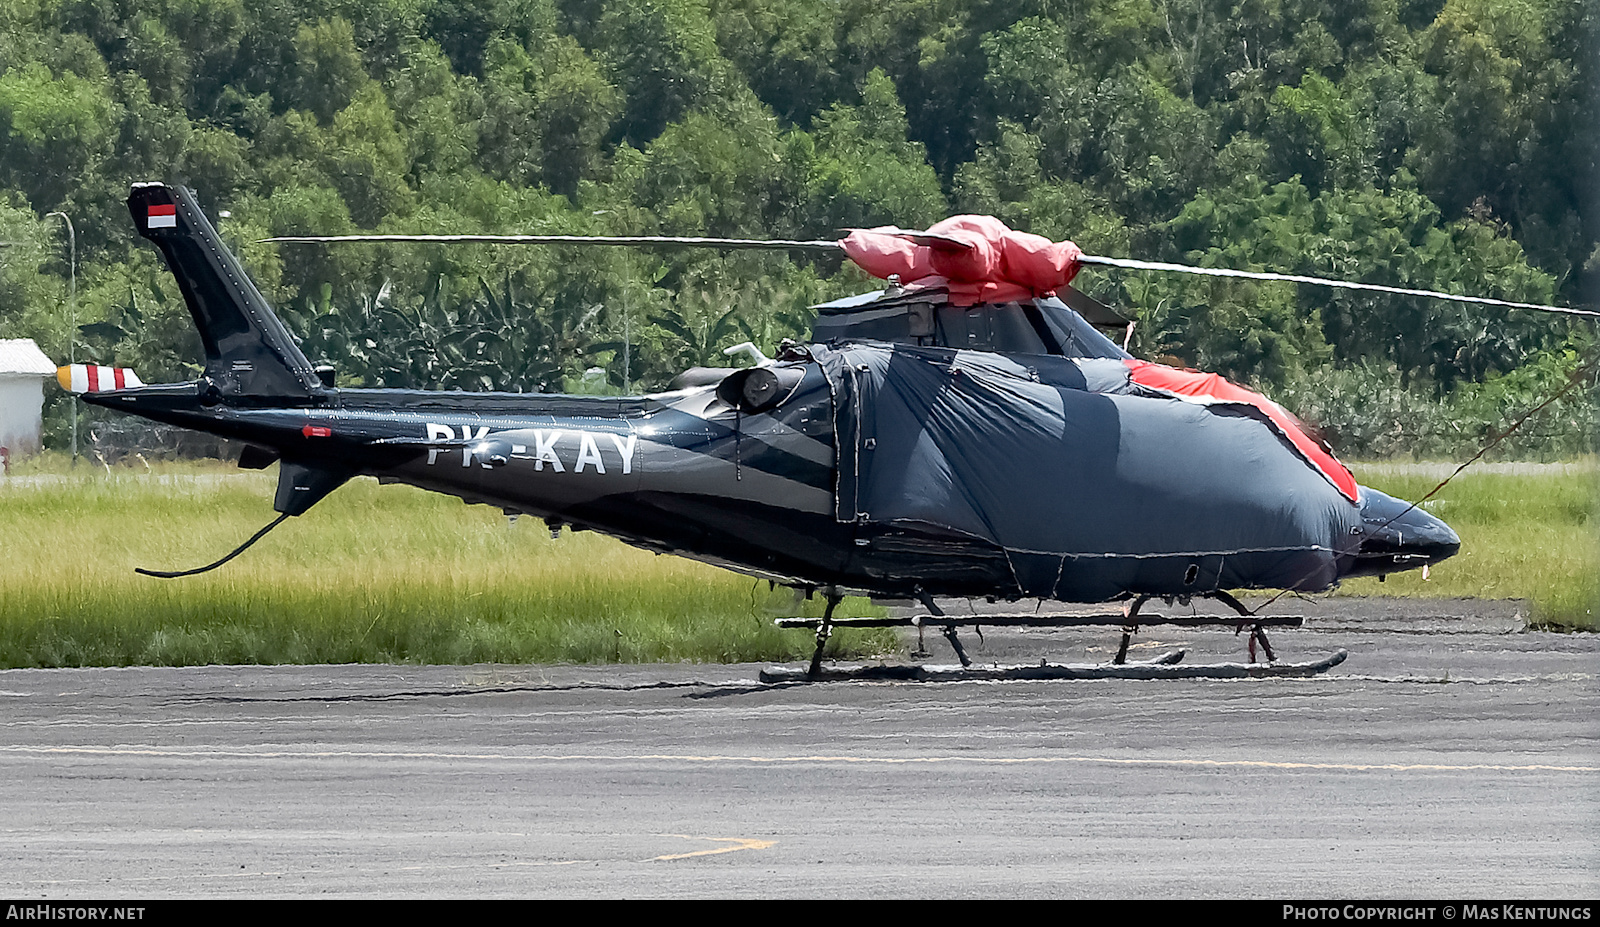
<point x="23" y="370"/>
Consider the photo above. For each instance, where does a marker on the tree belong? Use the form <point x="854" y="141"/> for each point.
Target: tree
<point x="663" y="56"/>
<point x="329" y="72"/>
<point x="55" y="132"/>
<point x="866" y="172"/>
<point x="546" y="114"/>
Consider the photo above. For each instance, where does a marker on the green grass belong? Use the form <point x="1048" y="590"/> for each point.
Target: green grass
<point x="1522" y="537"/>
<point x="370" y="575"/>
<point x="394" y="574"/>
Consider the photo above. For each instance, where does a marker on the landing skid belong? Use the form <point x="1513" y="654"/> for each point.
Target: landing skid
<point x="1166" y="666"/>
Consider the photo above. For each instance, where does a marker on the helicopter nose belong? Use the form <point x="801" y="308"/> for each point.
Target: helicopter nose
<point x="1398" y="536"/>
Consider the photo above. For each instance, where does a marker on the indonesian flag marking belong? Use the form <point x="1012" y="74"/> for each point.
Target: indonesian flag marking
<point x="161" y="216"/>
<point x="92" y="378"/>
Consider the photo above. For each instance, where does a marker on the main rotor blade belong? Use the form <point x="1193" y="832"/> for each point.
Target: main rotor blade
<point x="1323" y="281"/>
<point x="724" y="243"/>
<point x="922" y="238"/>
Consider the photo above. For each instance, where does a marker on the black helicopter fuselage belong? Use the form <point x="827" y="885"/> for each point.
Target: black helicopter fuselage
<point x="749" y="492"/>
<point x="892" y="466"/>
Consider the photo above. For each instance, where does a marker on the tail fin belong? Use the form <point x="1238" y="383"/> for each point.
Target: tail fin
<point x="248" y="351"/>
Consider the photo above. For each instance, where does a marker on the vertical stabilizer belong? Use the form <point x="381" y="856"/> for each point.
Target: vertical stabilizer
<point x="248" y="351"/>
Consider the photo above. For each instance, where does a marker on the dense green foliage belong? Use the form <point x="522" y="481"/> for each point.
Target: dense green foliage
<point x="1527" y="532"/>
<point x="458" y="584"/>
<point x="1446" y="144"/>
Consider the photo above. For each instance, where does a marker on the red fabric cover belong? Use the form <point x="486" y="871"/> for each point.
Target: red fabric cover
<point x="881" y="254"/>
<point x="996" y="265"/>
<point x="1211" y="387"/>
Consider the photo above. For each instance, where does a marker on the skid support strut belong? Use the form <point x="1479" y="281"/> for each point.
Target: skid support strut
<point x="949" y="629"/>
<point x="1129" y="628"/>
<point x="961" y="654"/>
<point x="824" y="631"/>
<point x="1257" y="635"/>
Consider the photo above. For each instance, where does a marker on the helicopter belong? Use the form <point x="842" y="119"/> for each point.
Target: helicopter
<point x="967" y="431"/>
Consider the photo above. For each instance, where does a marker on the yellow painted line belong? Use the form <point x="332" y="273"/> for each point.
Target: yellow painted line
<point x="716" y="759"/>
<point x="735" y="844"/>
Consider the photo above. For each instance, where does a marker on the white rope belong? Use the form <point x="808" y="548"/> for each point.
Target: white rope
<point x="1323" y="281"/>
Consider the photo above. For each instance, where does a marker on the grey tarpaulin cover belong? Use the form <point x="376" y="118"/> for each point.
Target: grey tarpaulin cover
<point x="1091" y="485"/>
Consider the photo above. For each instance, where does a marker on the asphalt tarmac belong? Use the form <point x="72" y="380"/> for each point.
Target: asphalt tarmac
<point x="1453" y="755"/>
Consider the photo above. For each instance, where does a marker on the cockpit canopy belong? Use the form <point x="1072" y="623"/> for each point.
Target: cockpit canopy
<point x="924" y="317"/>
